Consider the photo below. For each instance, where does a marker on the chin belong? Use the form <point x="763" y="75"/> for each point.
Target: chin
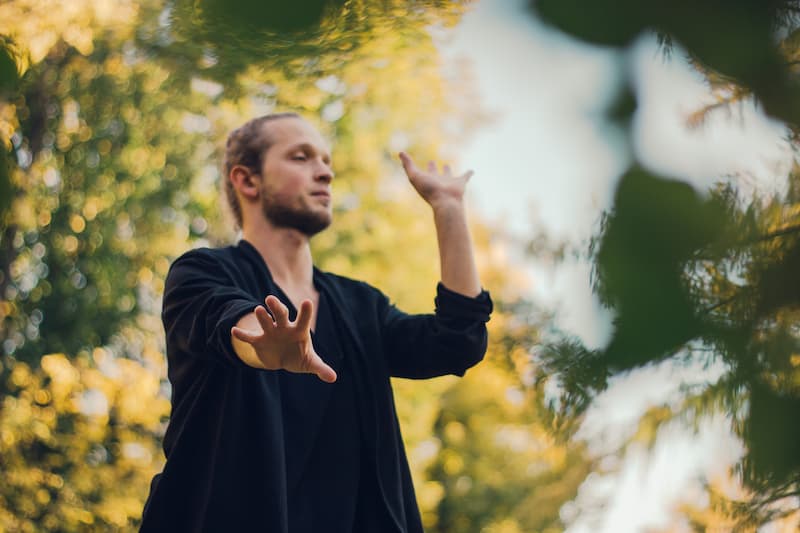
<point x="307" y="221"/>
<point x="320" y="226"/>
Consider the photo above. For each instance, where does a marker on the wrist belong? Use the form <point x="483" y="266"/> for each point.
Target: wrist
<point x="447" y="205"/>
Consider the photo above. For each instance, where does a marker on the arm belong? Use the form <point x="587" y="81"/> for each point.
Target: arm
<point x="449" y="341"/>
<point x="205" y="315"/>
<point x="201" y="303"/>
<point x="454" y="338"/>
<point x="458" y="270"/>
<point x="445" y="194"/>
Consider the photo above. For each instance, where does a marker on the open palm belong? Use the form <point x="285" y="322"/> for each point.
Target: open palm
<point x="282" y="344"/>
<point x="434" y="186"/>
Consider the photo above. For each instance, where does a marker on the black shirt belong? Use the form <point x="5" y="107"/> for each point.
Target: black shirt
<point x="337" y="491"/>
<point x="241" y="441"/>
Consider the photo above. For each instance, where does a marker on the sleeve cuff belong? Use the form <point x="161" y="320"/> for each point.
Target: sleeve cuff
<point x="457" y="305"/>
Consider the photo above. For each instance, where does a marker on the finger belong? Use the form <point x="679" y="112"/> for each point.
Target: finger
<point x="408" y="164"/>
<point x="431" y="166"/>
<point x="243" y="335"/>
<point x="321" y="369"/>
<point x="465" y="177"/>
<point x="447" y="172"/>
<point x="265" y="319"/>
<point x="303" y="321"/>
<point x="279" y="311"/>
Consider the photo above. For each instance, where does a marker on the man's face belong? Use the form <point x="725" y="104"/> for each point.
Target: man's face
<point x="296" y="177"/>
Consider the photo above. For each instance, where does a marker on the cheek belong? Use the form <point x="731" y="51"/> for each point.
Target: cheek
<point x="287" y="193"/>
<point x="292" y="188"/>
<point x="285" y="183"/>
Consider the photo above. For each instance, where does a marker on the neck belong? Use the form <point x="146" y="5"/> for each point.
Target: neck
<point x="286" y="252"/>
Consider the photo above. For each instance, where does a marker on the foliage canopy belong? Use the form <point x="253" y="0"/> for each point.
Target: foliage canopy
<point x="708" y="276"/>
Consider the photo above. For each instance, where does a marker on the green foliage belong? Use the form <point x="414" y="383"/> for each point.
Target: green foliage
<point x="640" y="260"/>
<point x="300" y="40"/>
<point x="735" y="39"/>
<point x="117" y="122"/>
<point x="5" y="183"/>
<point x="9" y="72"/>
<point x="710" y="277"/>
<point x="259" y="17"/>
<point x="102" y="182"/>
<point x="9" y="79"/>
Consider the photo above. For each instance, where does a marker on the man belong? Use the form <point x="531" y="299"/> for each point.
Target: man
<point x="283" y="418"/>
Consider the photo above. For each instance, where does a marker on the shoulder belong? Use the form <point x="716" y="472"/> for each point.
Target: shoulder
<point x="204" y="255"/>
<point x="203" y="262"/>
<point x="207" y="253"/>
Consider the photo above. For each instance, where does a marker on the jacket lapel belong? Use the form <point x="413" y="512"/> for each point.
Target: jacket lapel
<point x="368" y="396"/>
<point x="354" y="348"/>
<point x="342" y="312"/>
<point x="305" y="399"/>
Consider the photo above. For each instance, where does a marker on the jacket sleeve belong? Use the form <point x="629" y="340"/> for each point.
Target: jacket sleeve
<point x="449" y="341"/>
<point x="201" y="305"/>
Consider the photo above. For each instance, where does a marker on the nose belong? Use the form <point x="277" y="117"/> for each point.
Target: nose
<point x="324" y="173"/>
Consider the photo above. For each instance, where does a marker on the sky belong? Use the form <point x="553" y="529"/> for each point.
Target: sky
<point x="548" y="163"/>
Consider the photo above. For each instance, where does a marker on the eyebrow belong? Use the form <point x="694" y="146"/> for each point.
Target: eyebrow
<point x="308" y="147"/>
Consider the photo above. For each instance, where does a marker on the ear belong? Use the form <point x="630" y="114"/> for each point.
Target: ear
<point x="245" y="182"/>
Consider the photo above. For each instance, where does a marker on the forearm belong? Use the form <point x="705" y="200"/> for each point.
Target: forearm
<point x="244" y="350"/>
<point x="458" y="270"/>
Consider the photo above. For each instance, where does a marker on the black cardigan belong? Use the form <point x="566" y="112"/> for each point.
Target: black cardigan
<point x="232" y="457"/>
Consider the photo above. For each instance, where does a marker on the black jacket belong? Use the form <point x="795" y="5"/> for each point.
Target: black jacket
<point x="233" y="458"/>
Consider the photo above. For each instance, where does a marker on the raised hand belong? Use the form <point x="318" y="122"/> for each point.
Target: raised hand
<point x="445" y="194"/>
<point x="282" y="344"/>
<point x="434" y="186"/>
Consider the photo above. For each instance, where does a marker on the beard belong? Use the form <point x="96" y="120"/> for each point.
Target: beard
<point x="305" y="221"/>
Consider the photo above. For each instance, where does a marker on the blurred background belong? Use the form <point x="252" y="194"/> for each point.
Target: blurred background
<point x="636" y="211"/>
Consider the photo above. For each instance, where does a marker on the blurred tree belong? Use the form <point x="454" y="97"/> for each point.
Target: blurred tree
<point x="710" y="277"/>
<point x="751" y="43"/>
<point x="502" y="464"/>
<point x="9" y="78"/>
<point x="99" y="203"/>
<point x="726" y="507"/>
<point x="78" y="442"/>
<point x="298" y="40"/>
<point x="115" y="126"/>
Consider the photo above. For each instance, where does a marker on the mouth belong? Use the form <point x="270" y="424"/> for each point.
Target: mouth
<point x="321" y="194"/>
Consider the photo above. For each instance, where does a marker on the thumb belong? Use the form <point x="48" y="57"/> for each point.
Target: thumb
<point x="321" y="369"/>
<point x="408" y="163"/>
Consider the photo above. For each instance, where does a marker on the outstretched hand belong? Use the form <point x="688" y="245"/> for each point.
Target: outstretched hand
<point x="282" y="344"/>
<point x="435" y="187"/>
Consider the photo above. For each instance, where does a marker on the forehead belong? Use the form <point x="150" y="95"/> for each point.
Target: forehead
<point x="291" y="131"/>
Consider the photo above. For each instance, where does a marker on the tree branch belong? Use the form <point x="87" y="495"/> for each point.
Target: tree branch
<point x="777" y="233"/>
<point x="777" y="497"/>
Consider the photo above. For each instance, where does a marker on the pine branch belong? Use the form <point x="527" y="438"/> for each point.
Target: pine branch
<point x="778" y="233"/>
<point x="721" y="303"/>
<point x="778" y="497"/>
